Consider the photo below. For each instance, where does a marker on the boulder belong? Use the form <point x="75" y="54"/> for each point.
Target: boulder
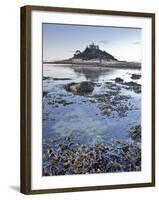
<point x="80" y="88"/>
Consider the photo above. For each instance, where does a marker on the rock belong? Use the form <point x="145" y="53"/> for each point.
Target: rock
<point x="62" y="79"/>
<point x="135" y="76"/>
<point x="125" y="148"/>
<point x="50" y="151"/>
<point x="59" y="101"/>
<point x="113" y="104"/>
<point x="52" y="154"/>
<point x="80" y="88"/>
<point x="47" y="78"/>
<point x="55" y="79"/>
<point x="45" y="93"/>
<point x="45" y="116"/>
<point x="63" y="147"/>
<point x="135" y="133"/>
<point x="92" y="100"/>
<point x="137" y="89"/>
<point x="98" y="84"/>
<point x="119" y="80"/>
<point x="133" y="86"/>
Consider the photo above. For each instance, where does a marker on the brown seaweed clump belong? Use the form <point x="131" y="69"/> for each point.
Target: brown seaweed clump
<point x="71" y="158"/>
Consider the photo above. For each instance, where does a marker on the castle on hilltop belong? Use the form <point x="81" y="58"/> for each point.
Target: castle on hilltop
<point x="93" y="46"/>
<point x="92" y="53"/>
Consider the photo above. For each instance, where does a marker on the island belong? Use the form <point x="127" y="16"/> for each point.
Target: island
<point x="94" y="56"/>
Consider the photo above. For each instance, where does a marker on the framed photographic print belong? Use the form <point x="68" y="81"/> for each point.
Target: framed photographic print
<point x="87" y="99"/>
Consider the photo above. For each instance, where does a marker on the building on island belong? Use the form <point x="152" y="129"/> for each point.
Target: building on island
<point x="93" y="46"/>
<point x="92" y="54"/>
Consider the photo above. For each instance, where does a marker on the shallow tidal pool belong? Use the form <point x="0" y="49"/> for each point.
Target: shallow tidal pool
<point x="98" y="118"/>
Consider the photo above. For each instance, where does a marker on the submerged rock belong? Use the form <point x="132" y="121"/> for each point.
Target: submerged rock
<point x="134" y="86"/>
<point x="113" y="104"/>
<point x="59" y="101"/>
<point x="80" y="88"/>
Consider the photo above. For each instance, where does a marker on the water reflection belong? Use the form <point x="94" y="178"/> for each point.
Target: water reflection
<point x="92" y="73"/>
<point x="78" y="73"/>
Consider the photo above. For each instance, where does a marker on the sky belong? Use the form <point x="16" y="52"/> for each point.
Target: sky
<point x="60" y="41"/>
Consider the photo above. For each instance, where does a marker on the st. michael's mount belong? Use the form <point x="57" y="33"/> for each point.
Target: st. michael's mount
<point x="93" y="55"/>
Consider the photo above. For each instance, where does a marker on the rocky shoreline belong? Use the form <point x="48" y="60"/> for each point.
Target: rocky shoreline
<point x="64" y="155"/>
<point x="117" y="64"/>
<point x="111" y="103"/>
<point x="117" y="156"/>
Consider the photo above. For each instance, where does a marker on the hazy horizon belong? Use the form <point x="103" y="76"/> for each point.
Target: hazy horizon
<point x="60" y="41"/>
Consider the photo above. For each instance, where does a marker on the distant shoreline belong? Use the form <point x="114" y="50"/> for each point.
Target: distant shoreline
<point x="120" y="64"/>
